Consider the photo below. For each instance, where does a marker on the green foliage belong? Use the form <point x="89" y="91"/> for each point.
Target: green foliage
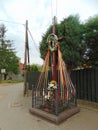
<point x="72" y="48"/>
<point x="70" y="45"/>
<point x="77" y="39"/>
<point x="8" y="58"/>
<point x="35" y="67"/>
<point x="12" y="63"/>
<point x="11" y="81"/>
<point x="91" y="38"/>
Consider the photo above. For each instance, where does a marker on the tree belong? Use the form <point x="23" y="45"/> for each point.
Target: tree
<point x="8" y="58"/>
<point x="91" y="39"/>
<point x="34" y="67"/>
<point x="72" y="47"/>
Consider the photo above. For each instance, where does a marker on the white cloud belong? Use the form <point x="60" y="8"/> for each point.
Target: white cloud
<point x="39" y="14"/>
<point x="84" y="8"/>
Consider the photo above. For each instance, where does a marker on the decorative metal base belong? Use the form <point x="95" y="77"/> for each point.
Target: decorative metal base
<point x="53" y="118"/>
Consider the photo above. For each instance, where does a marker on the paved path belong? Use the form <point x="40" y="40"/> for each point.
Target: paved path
<point x="14" y="113"/>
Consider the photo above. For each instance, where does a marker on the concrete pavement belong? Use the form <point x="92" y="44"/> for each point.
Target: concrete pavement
<point x="14" y="113"/>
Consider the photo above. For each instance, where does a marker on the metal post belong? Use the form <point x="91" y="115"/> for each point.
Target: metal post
<point x="56" y="101"/>
<point x="75" y="97"/>
<point x="32" y="95"/>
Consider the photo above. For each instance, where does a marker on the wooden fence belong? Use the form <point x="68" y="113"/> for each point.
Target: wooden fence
<point x="85" y="81"/>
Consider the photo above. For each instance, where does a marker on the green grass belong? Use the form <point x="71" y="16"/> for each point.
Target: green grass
<point x="11" y="81"/>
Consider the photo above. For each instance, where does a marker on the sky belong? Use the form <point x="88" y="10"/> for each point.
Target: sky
<point x="39" y="13"/>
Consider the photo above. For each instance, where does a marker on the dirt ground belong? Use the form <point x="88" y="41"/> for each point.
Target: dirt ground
<point x="14" y="113"/>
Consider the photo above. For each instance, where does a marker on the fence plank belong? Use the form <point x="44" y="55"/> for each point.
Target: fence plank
<point x="89" y="85"/>
<point x="96" y="84"/>
<point x="86" y="81"/>
<point x="93" y="85"/>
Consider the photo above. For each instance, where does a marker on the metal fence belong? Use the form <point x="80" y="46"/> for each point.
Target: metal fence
<point x="52" y="104"/>
<point x="32" y="78"/>
<point x="85" y="81"/>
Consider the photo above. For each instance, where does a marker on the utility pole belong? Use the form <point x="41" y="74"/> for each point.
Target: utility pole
<point x="26" y="59"/>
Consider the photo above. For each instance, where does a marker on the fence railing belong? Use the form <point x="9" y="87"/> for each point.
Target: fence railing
<point x="53" y="104"/>
<point x="85" y="81"/>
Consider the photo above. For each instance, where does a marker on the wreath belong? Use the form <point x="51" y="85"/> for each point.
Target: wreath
<point x="52" y="42"/>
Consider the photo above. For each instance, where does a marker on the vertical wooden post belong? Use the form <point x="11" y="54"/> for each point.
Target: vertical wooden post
<point x="54" y="23"/>
<point x="26" y="58"/>
<point x="54" y="77"/>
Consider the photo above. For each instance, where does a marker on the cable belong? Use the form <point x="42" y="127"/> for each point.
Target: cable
<point x="11" y="22"/>
<point x="33" y="40"/>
